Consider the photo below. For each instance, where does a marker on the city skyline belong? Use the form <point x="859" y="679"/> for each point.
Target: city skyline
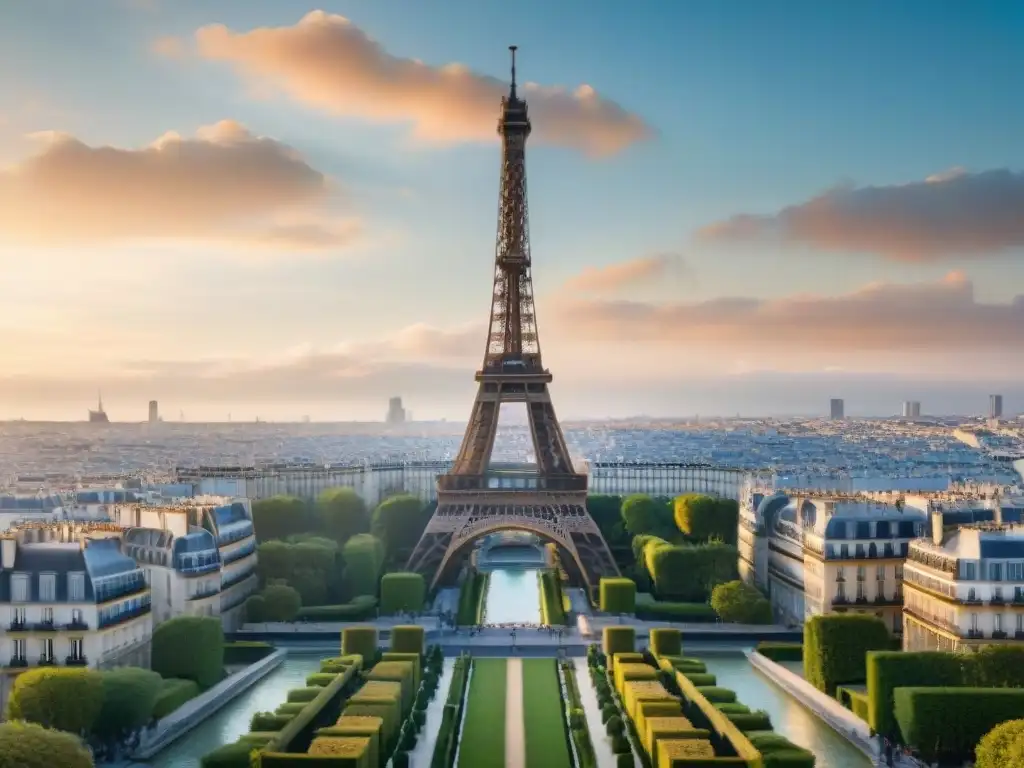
<point x="285" y="211"/>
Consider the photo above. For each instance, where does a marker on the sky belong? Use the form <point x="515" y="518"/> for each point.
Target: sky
<point x="280" y="209"/>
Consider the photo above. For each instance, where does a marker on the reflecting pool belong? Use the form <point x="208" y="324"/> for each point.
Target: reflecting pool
<point x="789" y="717"/>
<point x="233" y="720"/>
<point x="513" y="597"/>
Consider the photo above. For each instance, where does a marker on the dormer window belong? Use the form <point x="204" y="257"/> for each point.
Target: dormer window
<point x="47" y="587"/>
<point x="76" y="587"/>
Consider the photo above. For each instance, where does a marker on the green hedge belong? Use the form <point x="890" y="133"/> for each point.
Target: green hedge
<point x="781" y="651"/>
<point x="303" y="695"/>
<point x="666" y="642"/>
<point x="407" y="639"/>
<point x="552" y="613"/>
<point x="617" y="595"/>
<point x="889" y="670"/>
<point x="471" y="599"/>
<point x="451" y="716"/>
<point x="320" y="679"/>
<point x="694" y="613"/>
<point x="268" y="721"/>
<point x="751" y="721"/>
<point x="359" y="609"/>
<point x="855" y="701"/>
<point x="360" y="640"/>
<point x="717" y="695"/>
<point x="836" y="646"/>
<point x="228" y="756"/>
<point x="190" y="647"/>
<point x="290" y="708"/>
<point x="732" y="708"/>
<point x="402" y="591"/>
<point x="700" y="679"/>
<point x="618" y="640"/>
<point x="246" y="652"/>
<point x="946" y="724"/>
<point x="173" y="694"/>
<point x="1002" y="746"/>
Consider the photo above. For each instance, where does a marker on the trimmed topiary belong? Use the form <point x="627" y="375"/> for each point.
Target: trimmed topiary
<point x="407" y="639"/>
<point x="190" y="647"/>
<point x="68" y="699"/>
<point x="618" y="640"/>
<point x="666" y="642"/>
<point x="359" y="640"/>
<point x="617" y="595"/>
<point x="1002" y="746"/>
<point x="836" y="647"/>
<point x="27" y="745"/>
<point x="402" y="591"/>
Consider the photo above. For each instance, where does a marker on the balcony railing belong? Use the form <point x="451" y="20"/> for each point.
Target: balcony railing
<point x="975" y="634"/>
<point x="1000" y="600"/>
<point x="107" y="593"/>
<point x="45" y="626"/>
<point x="18" y="662"/>
<point x="17" y="626"/>
<point x="47" y="661"/>
<point x="540" y="482"/>
<point x="203" y="594"/>
<point x="78" y="625"/>
<point x="76" y="661"/>
<point x="195" y="570"/>
<point x="124" y="616"/>
<point x="238" y="554"/>
<point x="998" y="634"/>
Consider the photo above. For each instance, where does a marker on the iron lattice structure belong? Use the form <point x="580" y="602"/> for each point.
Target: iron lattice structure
<point x="549" y="500"/>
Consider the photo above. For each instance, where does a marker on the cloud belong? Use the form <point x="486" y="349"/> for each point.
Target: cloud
<point x="171" y="47"/>
<point x="948" y="215"/>
<point x="224" y="184"/>
<point x="941" y="316"/>
<point x="327" y="62"/>
<point x="625" y="274"/>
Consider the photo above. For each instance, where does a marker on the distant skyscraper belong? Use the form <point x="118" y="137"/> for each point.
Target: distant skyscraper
<point x="396" y="413"/>
<point x="836" y="408"/>
<point x="154" y="412"/>
<point x="995" y="406"/>
<point x="911" y="409"/>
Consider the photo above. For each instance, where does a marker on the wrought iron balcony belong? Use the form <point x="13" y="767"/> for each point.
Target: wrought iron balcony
<point x="840" y="600"/>
<point x="1000" y="600"/>
<point x="1019" y="634"/>
<point x="47" y="661"/>
<point x="78" y="625"/>
<point x="76" y="661"/>
<point x="124" y="616"/>
<point x="45" y="626"/>
<point x="17" y="626"/>
<point x="998" y="635"/>
<point x="975" y="634"/>
<point x="861" y="600"/>
<point x="18" y="662"/>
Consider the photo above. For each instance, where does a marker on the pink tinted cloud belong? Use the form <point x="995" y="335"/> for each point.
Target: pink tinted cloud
<point x="327" y="62"/>
<point x="623" y="274"/>
<point x="948" y="215"/>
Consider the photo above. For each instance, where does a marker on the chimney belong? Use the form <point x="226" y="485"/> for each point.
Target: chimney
<point x="997" y="511"/>
<point x="935" y="517"/>
<point x="8" y="552"/>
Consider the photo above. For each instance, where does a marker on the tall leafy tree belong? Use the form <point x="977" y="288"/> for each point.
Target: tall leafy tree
<point x="399" y="522"/>
<point x="280" y="517"/>
<point x="28" y="745"/>
<point x="642" y="514"/>
<point x="364" y="558"/>
<point x="341" y="513"/>
<point x="129" y="696"/>
<point x="704" y="517"/>
<point x="56" y="697"/>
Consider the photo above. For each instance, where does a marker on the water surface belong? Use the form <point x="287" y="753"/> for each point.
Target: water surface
<point x="513" y="597"/>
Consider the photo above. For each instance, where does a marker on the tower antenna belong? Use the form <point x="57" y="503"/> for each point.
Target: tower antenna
<point x="513" y="49"/>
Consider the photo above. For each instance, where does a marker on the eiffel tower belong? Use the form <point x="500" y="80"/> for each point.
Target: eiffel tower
<point x="478" y="497"/>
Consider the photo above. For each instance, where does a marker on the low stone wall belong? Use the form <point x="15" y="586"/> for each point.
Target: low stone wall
<point x="834" y="714"/>
<point x="192" y="713"/>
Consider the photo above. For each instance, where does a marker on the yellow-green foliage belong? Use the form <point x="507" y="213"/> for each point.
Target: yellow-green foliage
<point x="401" y="672"/>
<point x="629" y="657"/>
<point x="618" y="640"/>
<point x="412" y="658"/>
<point x="361" y="640"/>
<point x="673" y="753"/>
<point x="649" y="709"/>
<point x="352" y="747"/>
<point x="408" y="639"/>
<point x="660" y="729"/>
<point x="371" y="728"/>
<point x="624" y="672"/>
<point x="666" y="642"/>
<point x="339" y="664"/>
<point x="747" y="753"/>
<point x="386" y="709"/>
<point x="635" y="691"/>
<point x="617" y="595"/>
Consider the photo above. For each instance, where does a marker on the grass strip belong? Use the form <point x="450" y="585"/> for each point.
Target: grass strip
<point x="544" y="724"/>
<point x="483" y="734"/>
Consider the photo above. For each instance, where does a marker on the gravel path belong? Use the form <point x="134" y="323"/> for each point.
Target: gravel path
<point x="515" y="736"/>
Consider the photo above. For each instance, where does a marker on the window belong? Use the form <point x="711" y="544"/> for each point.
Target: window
<point x="76" y="616"/>
<point x="839" y="574"/>
<point x="995" y="571"/>
<point x="18" y="650"/>
<point x="46" y="649"/>
<point x="860" y="573"/>
<point x="18" y="616"/>
<point x="1020" y="622"/>
<point x="1015" y="571"/>
<point x="880" y="573"/>
<point x="897" y="621"/>
<point x="997" y="593"/>
<point x="841" y="591"/>
<point x="76" y="587"/>
<point x="969" y="572"/>
<point x="974" y="621"/>
<point x="899" y="573"/>
<point x="860" y="590"/>
<point x="844" y="550"/>
<point x="997" y="622"/>
<point x="47" y="587"/>
<point x="972" y="595"/>
<point x="19" y="588"/>
<point x="47" y="615"/>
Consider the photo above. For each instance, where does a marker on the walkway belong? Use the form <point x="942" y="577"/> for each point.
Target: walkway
<point x="423" y="752"/>
<point x="515" y="734"/>
<point x="588" y="696"/>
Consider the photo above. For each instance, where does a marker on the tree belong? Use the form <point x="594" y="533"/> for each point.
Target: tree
<point x="279" y="517"/>
<point x="27" y="745"/>
<point x="739" y="603"/>
<point x="606" y="510"/>
<point x="704" y="517"/>
<point x="641" y="514"/>
<point x="364" y="557"/>
<point x="255" y="609"/>
<point x="54" y="697"/>
<point x="190" y="647"/>
<point x="281" y="602"/>
<point x="340" y="514"/>
<point x="1002" y="746"/>
<point x="398" y="522"/>
<point x="129" y="696"/>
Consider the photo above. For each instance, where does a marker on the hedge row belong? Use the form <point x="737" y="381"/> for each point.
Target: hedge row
<point x="781" y="651"/>
<point x="552" y="613"/>
<point x="190" y="647"/>
<point x="579" y="734"/>
<point x="173" y="694"/>
<point x="245" y="652"/>
<point x="451" y="716"/>
<point x="695" y="613"/>
<point x="471" y="599"/>
<point x="946" y="724"/>
<point x="402" y="591"/>
<point x="610" y="711"/>
<point x="359" y="609"/>
<point x="836" y="646"/>
<point x="617" y="595"/>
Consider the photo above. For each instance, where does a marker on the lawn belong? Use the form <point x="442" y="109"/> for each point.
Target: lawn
<point x="483" y="735"/>
<point x="544" y="724"/>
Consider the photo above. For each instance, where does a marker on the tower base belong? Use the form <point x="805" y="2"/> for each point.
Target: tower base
<point x="559" y="518"/>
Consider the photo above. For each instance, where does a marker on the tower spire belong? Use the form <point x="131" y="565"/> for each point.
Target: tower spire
<point x="512" y="93"/>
